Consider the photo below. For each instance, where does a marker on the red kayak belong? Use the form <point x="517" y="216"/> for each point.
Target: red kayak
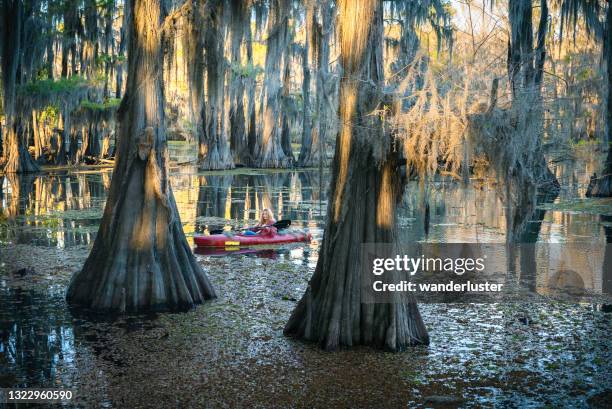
<point x="237" y="240"/>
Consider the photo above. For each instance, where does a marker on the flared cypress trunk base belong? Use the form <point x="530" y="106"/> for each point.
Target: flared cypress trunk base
<point x="273" y="158"/>
<point x="140" y="261"/>
<point x="600" y="186"/>
<point x="20" y="161"/>
<point x="331" y="312"/>
<point x="311" y="160"/>
<point x="216" y="159"/>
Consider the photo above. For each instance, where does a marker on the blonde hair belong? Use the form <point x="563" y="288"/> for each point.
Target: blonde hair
<point x="270" y="218"/>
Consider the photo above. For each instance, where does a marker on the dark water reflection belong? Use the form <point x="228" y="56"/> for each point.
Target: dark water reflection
<point x="35" y="334"/>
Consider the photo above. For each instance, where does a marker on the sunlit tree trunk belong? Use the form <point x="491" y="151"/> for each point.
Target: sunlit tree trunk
<point x="307" y="52"/>
<point x="240" y="19"/>
<point x="18" y="159"/>
<point x="109" y="45"/>
<point x="270" y="153"/>
<point x="325" y="86"/>
<point x="215" y="153"/>
<point x="50" y="46"/>
<point x="90" y="39"/>
<point x="121" y="51"/>
<point x="365" y="187"/>
<point x="36" y="132"/>
<point x="72" y="24"/>
<point x="252" y="142"/>
<point x="285" y="115"/>
<point x="141" y="260"/>
<point x="193" y="47"/>
<point x="316" y="52"/>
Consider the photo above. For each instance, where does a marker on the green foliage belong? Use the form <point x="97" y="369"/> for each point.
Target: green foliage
<point x="107" y="104"/>
<point x="104" y="58"/>
<point x="50" y="114"/>
<point x="47" y="87"/>
<point x="42" y="74"/>
<point x="585" y="74"/>
<point x="246" y="71"/>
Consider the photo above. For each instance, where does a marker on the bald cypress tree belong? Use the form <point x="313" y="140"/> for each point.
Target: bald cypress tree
<point x="141" y="260"/>
<point x="270" y="153"/>
<point x="18" y="159"/>
<point x="365" y="187"/>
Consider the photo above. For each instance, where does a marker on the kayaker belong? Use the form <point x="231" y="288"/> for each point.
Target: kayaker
<point x="266" y="219"/>
<point x="264" y="227"/>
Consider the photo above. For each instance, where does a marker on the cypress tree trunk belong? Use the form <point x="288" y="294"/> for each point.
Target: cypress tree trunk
<point x="364" y="190"/>
<point x="306" y="147"/>
<point x="89" y="47"/>
<point x="602" y="186"/>
<point x="325" y="85"/>
<point x="238" y="138"/>
<point x="525" y="70"/>
<point x="18" y="159"/>
<point x="252" y="142"/>
<point x="270" y="153"/>
<point x="140" y="260"/>
<point x="50" y="45"/>
<point x="315" y="52"/>
<point x="215" y="153"/>
<point x="109" y="45"/>
<point x="285" y="116"/>
<point x="121" y="52"/>
<point x="72" y="25"/>
<point x="194" y="49"/>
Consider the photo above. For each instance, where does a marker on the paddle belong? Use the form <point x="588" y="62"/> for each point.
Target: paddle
<point x="281" y="224"/>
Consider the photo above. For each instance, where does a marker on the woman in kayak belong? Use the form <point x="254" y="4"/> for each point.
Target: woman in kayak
<point x="265" y="225"/>
<point x="266" y="219"/>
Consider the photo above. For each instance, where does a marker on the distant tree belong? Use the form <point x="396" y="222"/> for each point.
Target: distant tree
<point x="599" y="186"/>
<point x="270" y="152"/>
<point x="215" y="151"/>
<point x="12" y="20"/>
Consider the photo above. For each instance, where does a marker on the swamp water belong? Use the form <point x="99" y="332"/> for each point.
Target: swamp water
<point x="231" y="352"/>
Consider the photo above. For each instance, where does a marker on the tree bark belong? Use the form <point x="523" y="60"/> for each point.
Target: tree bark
<point x="270" y="153"/>
<point x="252" y="142"/>
<point x="525" y="71"/>
<point x="325" y="86"/>
<point x="89" y="47"/>
<point x="72" y="25"/>
<point x="215" y="153"/>
<point x="240" y="19"/>
<point x="140" y="260"/>
<point x="194" y="49"/>
<point x="121" y="52"/>
<point x="18" y="159"/>
<point x="364" y="190"/>
<point x="284" y="112"/>
<point x="602" y="186"/>
<point x="309" y="46"/>
<point x="317" y="52"/>
<point x="50" y="46"/>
